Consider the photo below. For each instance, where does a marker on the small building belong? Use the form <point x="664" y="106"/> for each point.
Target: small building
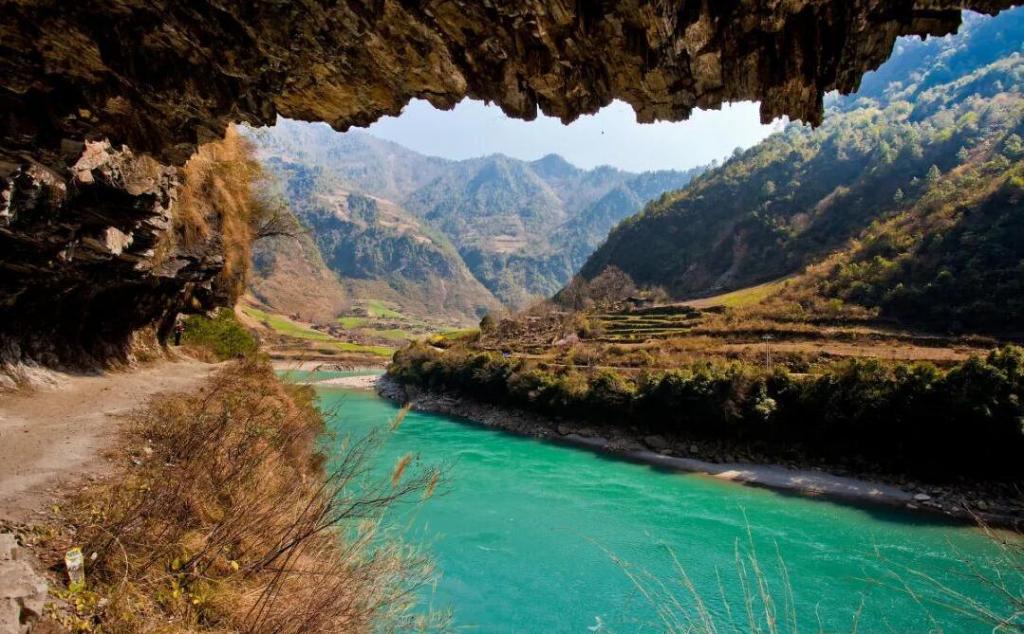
<point x="636" y="302"/>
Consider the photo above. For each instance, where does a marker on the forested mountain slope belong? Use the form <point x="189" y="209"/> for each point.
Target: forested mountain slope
<point x="911" y="188"/>
<point x="355" y="160"/>
<point x="525" y="228"/>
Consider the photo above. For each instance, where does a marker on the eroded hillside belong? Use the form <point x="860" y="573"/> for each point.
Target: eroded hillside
<point x="448" y="239"/>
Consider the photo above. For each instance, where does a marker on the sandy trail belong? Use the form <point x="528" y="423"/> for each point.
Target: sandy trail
<point x="362" y="382"/>
<point x="57" y="435"/>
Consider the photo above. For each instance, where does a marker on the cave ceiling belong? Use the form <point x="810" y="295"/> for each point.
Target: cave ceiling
<point x="162" y="76"/>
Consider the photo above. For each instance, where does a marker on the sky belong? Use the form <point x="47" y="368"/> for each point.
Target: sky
<point x="610" y="137"/>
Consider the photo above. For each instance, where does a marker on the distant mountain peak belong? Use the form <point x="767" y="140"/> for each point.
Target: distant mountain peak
<point x="554" y="166"/>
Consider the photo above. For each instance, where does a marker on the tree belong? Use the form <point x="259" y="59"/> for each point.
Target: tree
<point x="1013" y="146"/>
<point x="273" y="219"/>
<point x="886" y="153"/>
<point x="898" y="196"/>
<point x="933" y="175"/>
<point x="611" y="285"/>
<point x="575" y="295"/>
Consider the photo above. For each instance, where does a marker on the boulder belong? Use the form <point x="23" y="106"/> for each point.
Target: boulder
<point x="23" y="591"/>
<point x="655" y="442"/>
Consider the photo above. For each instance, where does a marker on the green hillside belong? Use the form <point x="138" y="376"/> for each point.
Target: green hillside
<point x="907" y="199"/>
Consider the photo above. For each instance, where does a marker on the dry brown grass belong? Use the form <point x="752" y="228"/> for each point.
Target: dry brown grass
<point x="217" y="200"/>
<point x="224" y="519"/>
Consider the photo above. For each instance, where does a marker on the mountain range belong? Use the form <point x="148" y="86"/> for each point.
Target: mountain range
<point x="442" y="238"/>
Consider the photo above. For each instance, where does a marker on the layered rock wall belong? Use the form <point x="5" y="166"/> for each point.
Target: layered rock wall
<point x="90" y="256"/>
<point x="164" y="75"/>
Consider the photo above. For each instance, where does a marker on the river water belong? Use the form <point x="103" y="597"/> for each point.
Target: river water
<point x="532" y="536"/>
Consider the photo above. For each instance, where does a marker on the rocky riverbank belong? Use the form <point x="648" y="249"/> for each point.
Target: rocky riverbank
<point x="992" y="505"/>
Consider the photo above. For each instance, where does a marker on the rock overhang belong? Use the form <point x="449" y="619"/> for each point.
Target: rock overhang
<point x="162" y="76"/>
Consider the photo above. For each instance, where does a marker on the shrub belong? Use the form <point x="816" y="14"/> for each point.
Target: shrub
<point x="220" y="335"/>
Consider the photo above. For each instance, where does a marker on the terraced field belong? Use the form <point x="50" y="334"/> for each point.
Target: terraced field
<point x="383" y="323"/>
<point x="630" y="339"/>
<point x="285" y="326"/>
<point x="741" y="297"/>
<point x="641" y="325"/>
<point x="285" y="337"/>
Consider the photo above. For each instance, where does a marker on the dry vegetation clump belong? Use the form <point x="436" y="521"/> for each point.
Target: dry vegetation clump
<point x="219" y="199"/>
<point x="763" y="592"/>
<point x="226" y="519"/>
<point x="217" y="195"/>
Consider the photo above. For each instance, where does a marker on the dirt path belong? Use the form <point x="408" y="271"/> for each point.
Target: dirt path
<point x="57" y="435"/>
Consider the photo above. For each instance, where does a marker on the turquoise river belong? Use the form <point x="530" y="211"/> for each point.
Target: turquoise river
<point x="531" y="536"/>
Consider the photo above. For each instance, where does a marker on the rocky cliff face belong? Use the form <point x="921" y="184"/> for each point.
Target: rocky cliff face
<point x="89" y="258"/>
<point x="162" y="76"/>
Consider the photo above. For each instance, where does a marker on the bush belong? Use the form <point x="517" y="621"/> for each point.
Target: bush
<point x="220" y="335"/>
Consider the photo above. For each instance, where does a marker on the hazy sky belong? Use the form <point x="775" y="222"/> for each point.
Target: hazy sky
<point x="610" y="137"/>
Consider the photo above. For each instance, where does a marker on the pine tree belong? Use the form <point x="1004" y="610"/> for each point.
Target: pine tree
<point x="898" y="196"/>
